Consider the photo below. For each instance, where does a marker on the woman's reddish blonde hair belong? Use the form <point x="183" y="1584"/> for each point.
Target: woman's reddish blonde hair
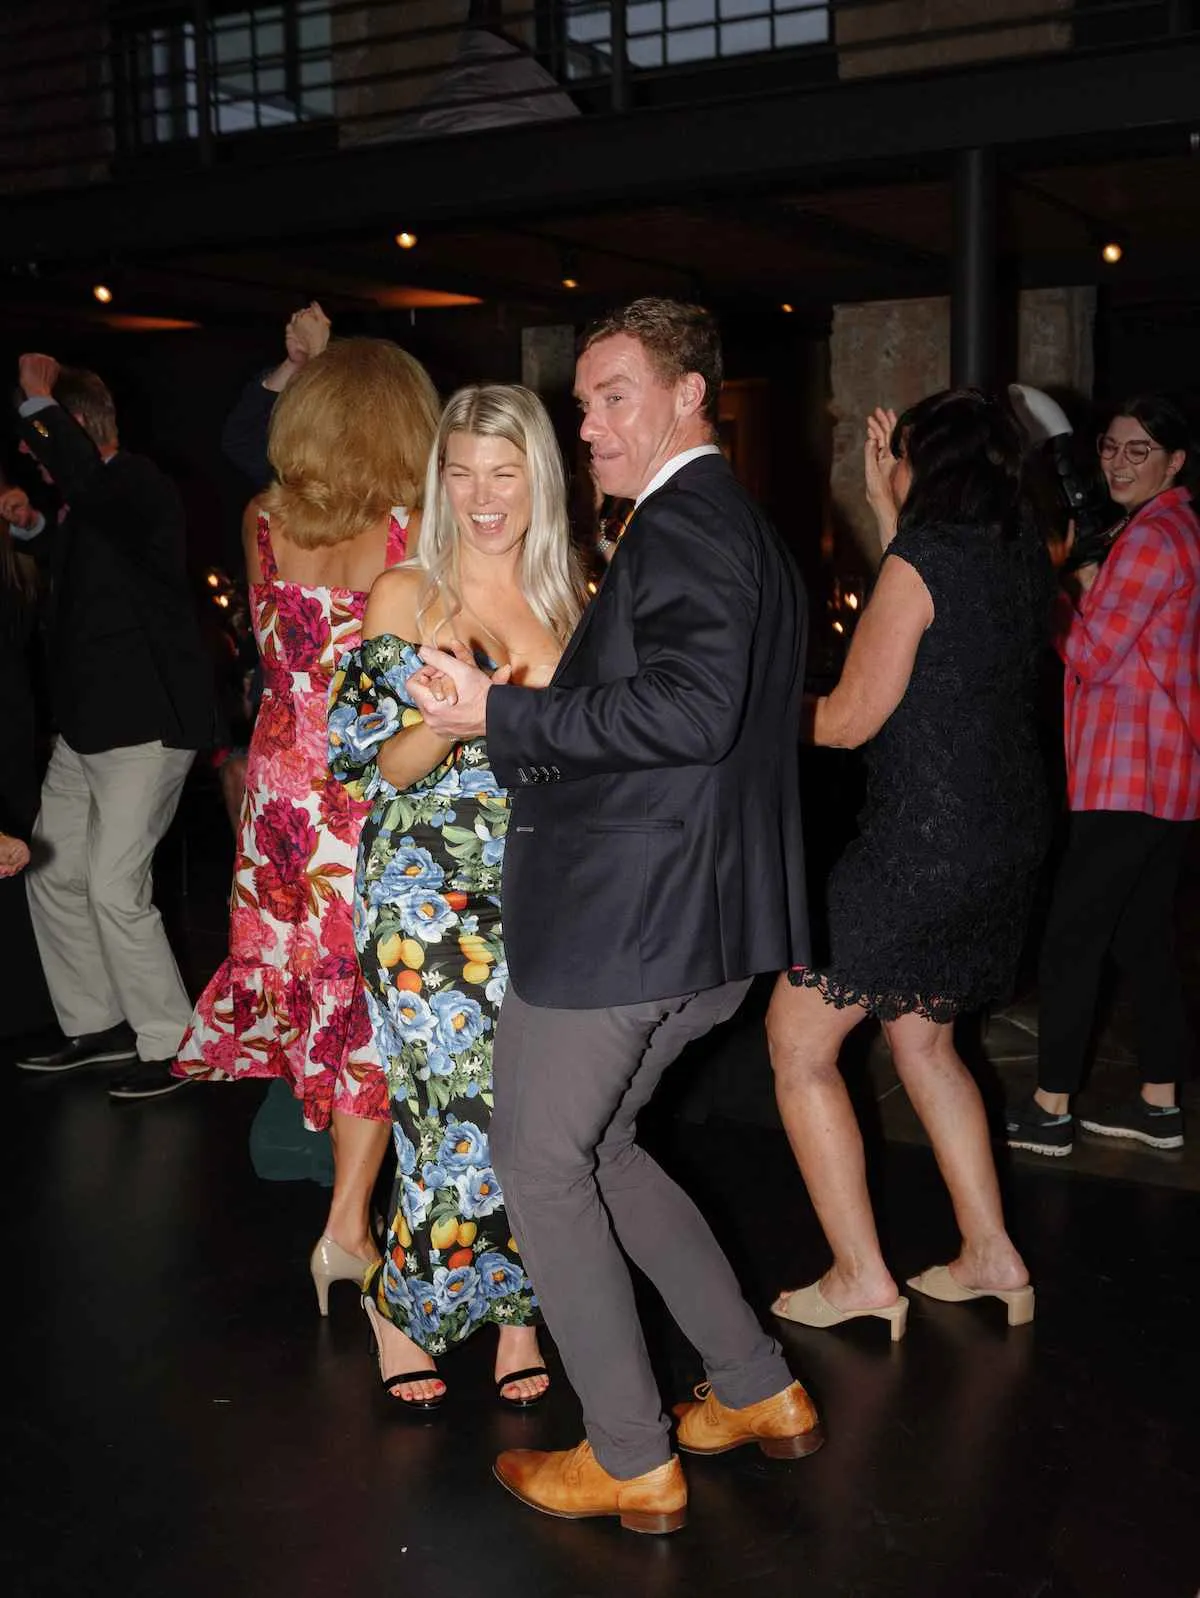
<point x="350" y="437"/>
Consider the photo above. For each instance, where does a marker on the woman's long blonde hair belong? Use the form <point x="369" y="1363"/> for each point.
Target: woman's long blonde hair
<point x="550" y="576"/>
<point x="349" y="438"/>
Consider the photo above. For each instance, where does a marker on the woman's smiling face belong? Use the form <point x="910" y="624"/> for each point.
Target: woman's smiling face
<point x="1135" y="467"/>
<point x="487" y="483"/>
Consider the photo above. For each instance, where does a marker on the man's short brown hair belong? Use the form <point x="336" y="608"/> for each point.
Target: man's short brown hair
<point x="678" y="339"/>
<point x="86" y="396"/>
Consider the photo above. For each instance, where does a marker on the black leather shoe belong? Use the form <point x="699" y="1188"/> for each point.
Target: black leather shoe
<point x="93" y="1048"/>
<point x="149" y="1079"/>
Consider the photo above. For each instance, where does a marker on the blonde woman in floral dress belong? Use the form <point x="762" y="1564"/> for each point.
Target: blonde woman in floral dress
<point x="349" y="440"/>
<point x="495" y="578"/>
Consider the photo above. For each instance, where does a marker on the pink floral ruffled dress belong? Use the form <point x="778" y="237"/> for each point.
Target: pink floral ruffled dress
<point x="289" y="1000"/>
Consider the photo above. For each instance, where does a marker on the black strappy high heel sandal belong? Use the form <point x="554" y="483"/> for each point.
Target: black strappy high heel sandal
<point x="416" y="1406"/>
<point x="519" y="1376"/>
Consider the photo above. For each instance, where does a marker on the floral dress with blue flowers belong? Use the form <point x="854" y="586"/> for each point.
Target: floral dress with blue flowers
<point x="427" y="930"/>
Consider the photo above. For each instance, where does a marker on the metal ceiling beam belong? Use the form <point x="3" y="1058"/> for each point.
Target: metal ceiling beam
<point x="712" y="148"/>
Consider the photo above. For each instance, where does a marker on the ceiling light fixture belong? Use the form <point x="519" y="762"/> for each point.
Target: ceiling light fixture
<point x="786" y="308"/>
<point x="570" y="271"/>
<point x="406" y="241"/>
<point x="103" y="293"/>
<point x="1111" y="251"/>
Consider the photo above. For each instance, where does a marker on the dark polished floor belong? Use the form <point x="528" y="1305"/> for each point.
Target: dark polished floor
<point x="180" y="1422"/>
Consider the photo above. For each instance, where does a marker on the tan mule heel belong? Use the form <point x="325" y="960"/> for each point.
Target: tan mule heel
<point x="329" y="1262"/>
<point x="808" y="1306"/>
<point x="938" y="1283"/>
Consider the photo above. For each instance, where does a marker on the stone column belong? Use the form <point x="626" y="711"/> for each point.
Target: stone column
<point x="894" y="352"/>
<point x="890" y="353"/>
<point x="1055" y="343"/>
<point x="548" y="360"/>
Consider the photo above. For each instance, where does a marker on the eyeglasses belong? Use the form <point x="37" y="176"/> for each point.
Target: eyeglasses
<point x="1137" y="451"/>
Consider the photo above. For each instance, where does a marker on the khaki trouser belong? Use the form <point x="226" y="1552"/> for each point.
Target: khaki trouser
<point x="101" y="940"/>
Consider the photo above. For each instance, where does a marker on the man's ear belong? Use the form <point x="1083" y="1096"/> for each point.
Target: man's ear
<point x="691" y="394"/>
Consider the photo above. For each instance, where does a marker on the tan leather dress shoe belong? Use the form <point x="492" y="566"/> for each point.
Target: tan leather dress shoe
<point x="785" y="1426"/>
<point x="573" y="1486"/>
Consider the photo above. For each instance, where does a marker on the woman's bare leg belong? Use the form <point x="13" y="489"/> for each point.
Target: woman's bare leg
<point x="358" y="1150"/>
<point x="805" y="1036"/>
<point x="944" y="1095"/>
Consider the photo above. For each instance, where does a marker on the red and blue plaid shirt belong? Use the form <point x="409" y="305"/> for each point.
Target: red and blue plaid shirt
<point x="1132" y="653"/>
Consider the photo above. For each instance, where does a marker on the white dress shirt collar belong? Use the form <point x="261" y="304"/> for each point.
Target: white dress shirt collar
<point x="666" y="472"/>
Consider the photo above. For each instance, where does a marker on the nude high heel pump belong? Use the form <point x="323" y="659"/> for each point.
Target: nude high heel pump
<point x="330" y="1262"/>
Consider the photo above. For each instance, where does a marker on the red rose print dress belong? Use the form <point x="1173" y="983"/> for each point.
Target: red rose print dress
<point x="289" y="1000"/>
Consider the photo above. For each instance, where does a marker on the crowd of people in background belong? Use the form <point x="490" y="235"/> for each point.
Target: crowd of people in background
<point x="517" y="816"/>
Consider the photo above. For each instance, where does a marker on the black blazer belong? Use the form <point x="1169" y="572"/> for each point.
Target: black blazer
<point x="125" y="660"/>
<point x="654" y="846"/>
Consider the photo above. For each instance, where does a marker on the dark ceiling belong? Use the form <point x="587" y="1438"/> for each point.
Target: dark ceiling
<point x="805" y="247"/>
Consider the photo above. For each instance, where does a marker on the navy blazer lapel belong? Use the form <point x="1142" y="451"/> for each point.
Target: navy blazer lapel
<point x="573" y="641"/>
<point x="585" y="621"/>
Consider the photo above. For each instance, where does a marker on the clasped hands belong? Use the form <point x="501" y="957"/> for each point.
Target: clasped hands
<point x="37" y="375"/>
<point x="16" y="510"/>
<point x="14" y="855"/>
<point x="307" y="334"/>
<point x="879" y="466"/>
<point x="451" y="692"/>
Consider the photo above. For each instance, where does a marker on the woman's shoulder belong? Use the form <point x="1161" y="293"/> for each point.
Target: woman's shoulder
<point x="1165" y="519"/>
<point x="397" y="583"/>
<point x="938" y="532"/>
<point x="921" y="542"/>
<point x="393" y="602"/>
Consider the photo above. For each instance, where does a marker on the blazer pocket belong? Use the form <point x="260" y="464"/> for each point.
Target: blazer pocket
<point x="635" y="826"/>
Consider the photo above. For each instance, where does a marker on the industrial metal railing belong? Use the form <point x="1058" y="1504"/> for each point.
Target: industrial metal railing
<point x="89" y="91"/>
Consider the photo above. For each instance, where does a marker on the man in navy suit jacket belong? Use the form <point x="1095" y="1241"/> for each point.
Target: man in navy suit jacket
<point x="653" y="866"/>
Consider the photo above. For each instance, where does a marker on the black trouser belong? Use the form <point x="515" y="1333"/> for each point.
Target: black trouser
<point x="1114" y="894"/>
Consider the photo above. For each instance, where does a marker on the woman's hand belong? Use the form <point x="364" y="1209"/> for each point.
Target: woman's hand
<point x="879" y="465"/>
<point x="1085" y="576"/>
<point x="307" y="334"/>
<point x="1060" y="548"/>
<point x="440" y="687"/>
<point x="435" y="683"/>
<point x="14" y="855"/>
<point x="1079" y="579"/>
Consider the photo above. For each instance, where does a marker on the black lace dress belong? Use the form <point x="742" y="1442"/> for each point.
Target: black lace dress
<point x="928" y="906"/>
